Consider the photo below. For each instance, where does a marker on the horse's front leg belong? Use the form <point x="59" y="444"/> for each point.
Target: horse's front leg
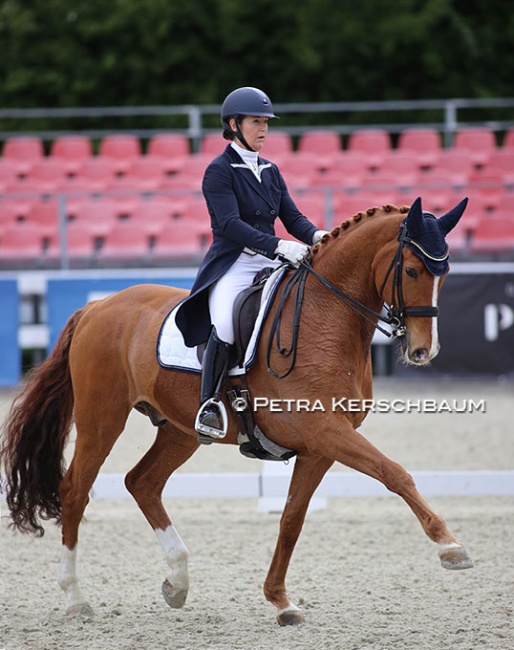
<point x="349" y="447"/>
<point x="307" y="475"/>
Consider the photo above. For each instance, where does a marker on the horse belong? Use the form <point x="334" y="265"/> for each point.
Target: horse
<point x="104" y="364"/>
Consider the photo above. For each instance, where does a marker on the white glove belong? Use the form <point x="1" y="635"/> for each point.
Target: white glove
<point x="291" y="251"/>
<point x="318" y="235"/>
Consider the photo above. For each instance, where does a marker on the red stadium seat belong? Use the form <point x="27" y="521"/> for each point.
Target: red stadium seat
<point x="299" y="170"/>
<point x="374" y="143"/>
<point x="8" y="176"/>
<point x="478" y="142"/>
<point x="172" y="149"/>
<point x="277" y="146"/>
<point x="144" y="174"/>
<point x="347" y="171"/>
<point x="313" y="206"/>
<point x="153" y="215"/>
<point x="494" y="234"/>
<point x="121" y="149"/>
<point x="424" y="144"/>
<point x="23" y="152"/>
<point x="125" y="242"/>
<point x="184" y="240"/>
<point x="72" y="150"/>
<point x="22" y="243"/>
<point x="98" y="216"/>
<point x="94" y="175"/>
<point x="213" y="144"/>
<point x="46" y="176"/>
<point x="191" y="175"/>
<point x="80" y="244"/>
<point x="399" y="171"/>
<point x="322" y="146"/>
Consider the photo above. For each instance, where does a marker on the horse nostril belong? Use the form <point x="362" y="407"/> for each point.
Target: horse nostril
<point x="420" y="354"/>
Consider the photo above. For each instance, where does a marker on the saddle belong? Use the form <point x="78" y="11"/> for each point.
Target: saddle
<point x="252" y="441"/>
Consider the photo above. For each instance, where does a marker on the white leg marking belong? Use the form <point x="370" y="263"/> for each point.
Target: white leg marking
<point x="68" y="580"/>
<point x="177" y="556"/>
<point x="434" y="348"/>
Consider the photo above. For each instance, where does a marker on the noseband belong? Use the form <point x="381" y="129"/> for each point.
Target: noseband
<point x="395" y="311"/>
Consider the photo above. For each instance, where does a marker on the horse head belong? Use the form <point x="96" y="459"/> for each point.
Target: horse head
<point x="422" y="264"/>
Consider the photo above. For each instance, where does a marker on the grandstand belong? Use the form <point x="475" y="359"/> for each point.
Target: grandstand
<point x="124" y="200"/>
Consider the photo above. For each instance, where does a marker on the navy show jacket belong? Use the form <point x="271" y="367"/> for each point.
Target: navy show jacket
<point x="243" y="212"/>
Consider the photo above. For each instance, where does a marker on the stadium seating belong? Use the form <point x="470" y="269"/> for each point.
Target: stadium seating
<point x="121" y="149"/>
<point x="184" y="241"/>
<point x="478" y="142"/>
<point x="125" y="241"/>
<point x="299" y="170"/>
<point x="72" y="150"/>
<point x="213" y="144"/>
<point x="46" y="176"/>
<point x="374" y="143"/>
<point x="494" y="234"/>
<point x="346" y="171"/>
<point x="22" y="243"/>
<point x="157" y="195"/>
<point x="423" y="144"/>
<point x="22" y="152"/>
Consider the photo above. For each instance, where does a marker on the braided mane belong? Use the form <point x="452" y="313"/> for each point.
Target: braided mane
<point x="357" y="218"/>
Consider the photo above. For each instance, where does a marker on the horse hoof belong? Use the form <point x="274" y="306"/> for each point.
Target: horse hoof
<point x="455" y="558"/>
<point x="80" y="610"/>
<point x="175" y="598"/>
<point x="293" y="616"/>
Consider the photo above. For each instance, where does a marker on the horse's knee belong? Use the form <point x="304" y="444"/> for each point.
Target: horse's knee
<point x="397" y="479"/>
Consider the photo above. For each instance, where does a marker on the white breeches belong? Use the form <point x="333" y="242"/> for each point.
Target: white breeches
<point x="223" y="293"/>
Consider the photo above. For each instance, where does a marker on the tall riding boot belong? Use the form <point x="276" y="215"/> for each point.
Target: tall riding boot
<point x="211" y="419"/>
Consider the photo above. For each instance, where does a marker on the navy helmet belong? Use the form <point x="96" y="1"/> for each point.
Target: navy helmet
<point x="246" y="101"/>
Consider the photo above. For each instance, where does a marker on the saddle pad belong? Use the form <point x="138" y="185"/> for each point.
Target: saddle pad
<point x="173" y="354"/>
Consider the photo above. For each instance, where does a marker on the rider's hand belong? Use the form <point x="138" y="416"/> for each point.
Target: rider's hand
<point x="318" y="235"/>
<point x="291" y="251"/>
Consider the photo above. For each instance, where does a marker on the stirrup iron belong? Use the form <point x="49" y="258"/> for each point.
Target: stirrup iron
<point x="211" y="431"/>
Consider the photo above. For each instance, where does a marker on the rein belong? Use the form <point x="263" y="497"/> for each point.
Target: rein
<point x="395" y="316"/>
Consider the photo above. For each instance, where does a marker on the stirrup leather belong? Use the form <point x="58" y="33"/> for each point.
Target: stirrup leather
<point x="211" y="431"/>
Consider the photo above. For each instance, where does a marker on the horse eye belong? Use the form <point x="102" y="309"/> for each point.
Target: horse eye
<point x="412" y="273"/>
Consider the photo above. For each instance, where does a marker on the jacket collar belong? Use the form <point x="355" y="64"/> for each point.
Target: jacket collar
<point x="262" y="188"/>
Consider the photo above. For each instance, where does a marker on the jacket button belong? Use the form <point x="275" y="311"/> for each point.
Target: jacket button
<point x="256" y="225"/>
<point x="272" y="212"/>
<point x="257" y="213"/>
<point x="270" y="225"/>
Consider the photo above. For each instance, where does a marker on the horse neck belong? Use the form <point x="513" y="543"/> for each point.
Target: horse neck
<point x="349" y="260"/>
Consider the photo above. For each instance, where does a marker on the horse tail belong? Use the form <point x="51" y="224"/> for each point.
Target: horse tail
<point x="34" y="437"/>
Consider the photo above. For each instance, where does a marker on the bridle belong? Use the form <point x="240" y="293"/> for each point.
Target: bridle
<point x="395" y="311"/>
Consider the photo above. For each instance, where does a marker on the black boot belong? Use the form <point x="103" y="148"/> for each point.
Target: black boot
<point x="211" y="420"/>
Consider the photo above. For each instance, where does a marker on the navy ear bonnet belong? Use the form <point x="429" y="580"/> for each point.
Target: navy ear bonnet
<point x="425" y="235"/>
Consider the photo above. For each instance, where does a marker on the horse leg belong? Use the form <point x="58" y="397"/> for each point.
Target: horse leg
<point x="307" y="475"/>
<point x="145" y="482"/>
<point x="94" y="442"/>
<point x="354" y="450"/>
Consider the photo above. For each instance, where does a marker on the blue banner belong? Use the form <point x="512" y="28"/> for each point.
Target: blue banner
<point x="10" y="354"/>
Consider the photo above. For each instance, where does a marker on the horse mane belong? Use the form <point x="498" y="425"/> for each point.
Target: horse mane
<point x="357" y="219"/>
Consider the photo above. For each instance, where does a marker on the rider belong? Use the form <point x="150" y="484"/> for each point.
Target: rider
<point x="244" y="194"/>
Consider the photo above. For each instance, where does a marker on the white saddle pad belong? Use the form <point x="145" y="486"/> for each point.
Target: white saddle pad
<point x="173" y="354"/>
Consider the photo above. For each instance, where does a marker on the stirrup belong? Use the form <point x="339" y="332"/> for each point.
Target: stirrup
<point x="211" y="431"/>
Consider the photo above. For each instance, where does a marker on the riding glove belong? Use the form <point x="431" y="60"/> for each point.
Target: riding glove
<point x="291" y="251"/>
<point x="318" y="235"/>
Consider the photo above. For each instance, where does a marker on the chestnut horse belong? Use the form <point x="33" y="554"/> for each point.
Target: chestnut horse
<point x="104" y="364"/>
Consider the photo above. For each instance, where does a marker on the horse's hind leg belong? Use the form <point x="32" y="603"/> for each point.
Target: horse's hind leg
<point x="97" y="432"/>
<point x="145" y="482"/>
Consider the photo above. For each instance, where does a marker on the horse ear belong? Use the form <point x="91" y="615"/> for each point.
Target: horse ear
<point x="449" y="220"/>
<point x="414" y="217"/>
